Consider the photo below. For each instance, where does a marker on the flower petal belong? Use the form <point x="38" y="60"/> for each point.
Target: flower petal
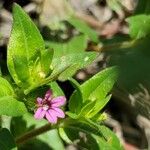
<point x="40" y="113"/>
<point x="58" y="101"/>
<point x="51" y="117"/>
<point x="59" y="113"/>
<point x="48" y="95"/>
<point x="39" y="100"/>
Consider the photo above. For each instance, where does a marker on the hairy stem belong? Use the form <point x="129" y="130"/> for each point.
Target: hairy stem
<point x="33" y="133"/>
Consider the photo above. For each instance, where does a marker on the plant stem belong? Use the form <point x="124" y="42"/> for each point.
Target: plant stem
<point x="33" y="133"/>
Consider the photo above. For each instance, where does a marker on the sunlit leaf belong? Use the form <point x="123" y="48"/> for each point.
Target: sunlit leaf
<point x="70" y="56"/>
<point x="139" y="26"/>
<point x="96" y="88"/>
<point x="11" y="107"/>
<point x="5" y="88"/>
<point x="28" y="61"/>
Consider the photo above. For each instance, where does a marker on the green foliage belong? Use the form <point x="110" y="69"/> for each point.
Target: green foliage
<point x="112" y="140"/>
<point x="30" y="64"/>
<point x="35" y="69"/>
<point x="57" y="91"/>
<point x="70" y="56"/>
<point x="93" y="91"/>
<point x="5" y="88"/>
<point x="8" y="104"/>
<point x="139" y="26"/>
<point x="99" y="105"/>
<point x="11" y="107"/>
<point x="89" y="136"/>
<point x="68" y="72"/>
<point x="6" y="140"/>
<point x="24" y="52"/>
<point x="46" y="141"/>
<point x="46" y="59"/>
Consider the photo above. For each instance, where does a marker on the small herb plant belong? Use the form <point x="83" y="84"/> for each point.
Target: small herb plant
<point x="29" y="92"/>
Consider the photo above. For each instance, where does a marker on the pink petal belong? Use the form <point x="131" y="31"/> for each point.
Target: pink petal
<point x="59" y="113"/>
<point x="58" y="101"/>
<point x="39" y="100"/>
<point x="40" y="113"/>
<point x="48" y="94"/>
<point x="51" y="117"/>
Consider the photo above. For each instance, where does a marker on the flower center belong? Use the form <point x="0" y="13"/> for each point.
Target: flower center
<point x="45" y="107"/>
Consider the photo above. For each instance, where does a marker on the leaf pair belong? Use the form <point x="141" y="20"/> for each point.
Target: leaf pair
<point x="89" y="98"/>
<point x="8" y="103"/>
<point x="28" y="61"/>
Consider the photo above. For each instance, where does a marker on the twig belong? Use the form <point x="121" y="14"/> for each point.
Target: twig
<point x="33" y="133"/>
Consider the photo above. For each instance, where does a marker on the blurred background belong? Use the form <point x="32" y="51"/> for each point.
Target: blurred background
<point x="129" y="109"/>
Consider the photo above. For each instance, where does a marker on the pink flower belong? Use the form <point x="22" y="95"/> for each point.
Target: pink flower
<point x="49" y="107"/>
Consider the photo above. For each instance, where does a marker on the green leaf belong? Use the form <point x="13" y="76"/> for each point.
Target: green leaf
<point x="99" y="106"/>
<point x="46" y="59"/>
<point x="90" y="109"/>
<point x="87" y="108"/>
<point x="112" y="139"/>
<point x="97" y="136"/>
<point x="69" y="72"/>
<point x="72" y="115"/>
<point x="75" y="101"/>
<point x="95" y="88"/>
<point x="5" y="88"/>
<point x="45" y="141"/>
<point x="25" y="49"/>
<point x="11" y="107"/>
<point x="70" y="56"/>
<point x="139" y="26"/>
<point x="76" y="45"/>
<point x="82" y="59"/>
<point x="83" y="28"/>
<point x="100" y="117"/>
<point x="53" y="136"/>
<point x="100" y="84"/>
<point x="6" y="140"/>
<point x="64" y="136"/>
<point x="57" y="91"/>
<point x="79" y="139"/>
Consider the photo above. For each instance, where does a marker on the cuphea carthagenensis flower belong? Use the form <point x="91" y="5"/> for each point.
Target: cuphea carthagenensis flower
<point x="49" y="107"/>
